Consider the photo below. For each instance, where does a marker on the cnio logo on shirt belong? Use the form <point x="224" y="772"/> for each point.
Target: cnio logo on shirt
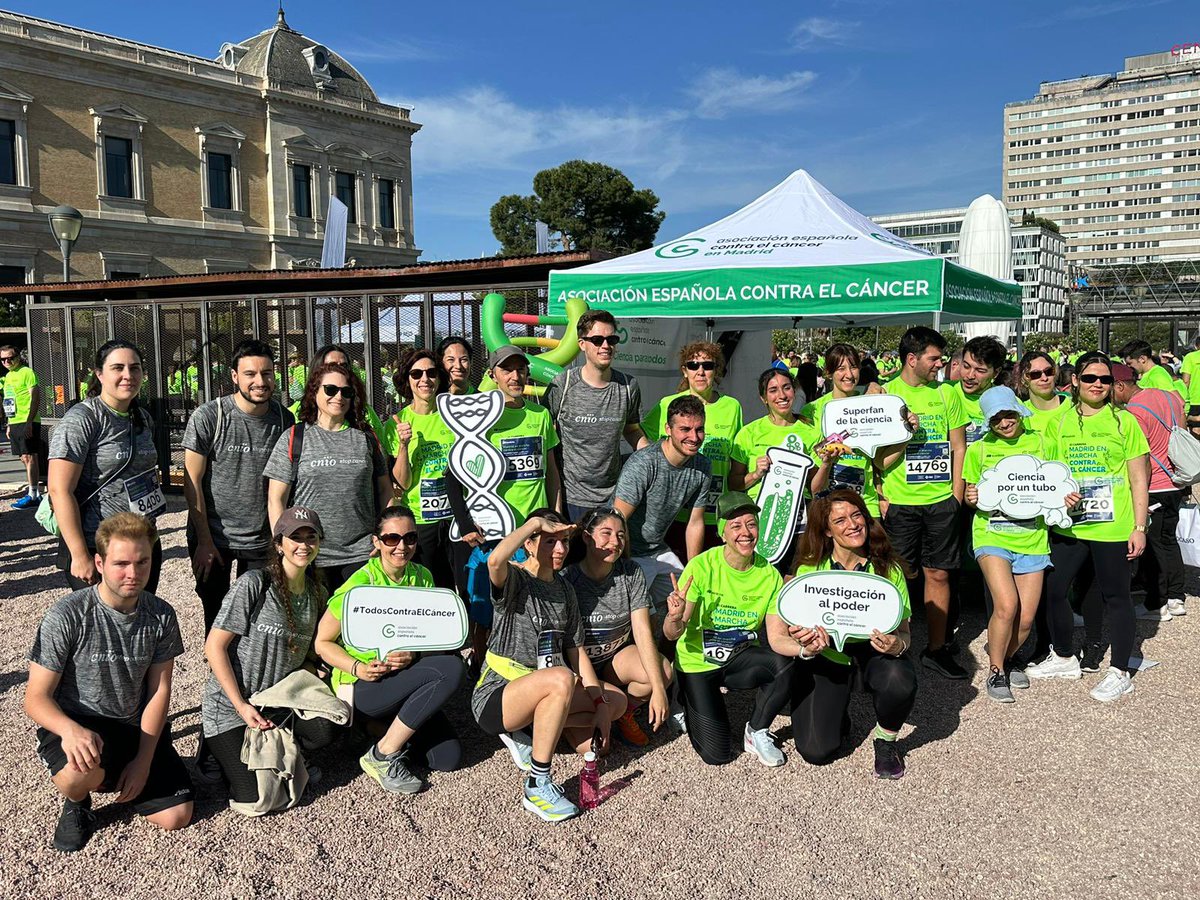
<point x="113" y="657"/>
<point x="273" y="630"/>
<point x="238" y="448"/>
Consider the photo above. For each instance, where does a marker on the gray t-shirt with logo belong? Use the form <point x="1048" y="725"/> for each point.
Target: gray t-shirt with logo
<point x="591" y="422"/>
<point x="269" y="645"/>
<point x="103" y="655"/>
<point x="657" y="491"/>
<point x="606" y="605"/>
<point x="336" y="477"/>
<point x="98" y="439"/>
<point x="235" y="494"/>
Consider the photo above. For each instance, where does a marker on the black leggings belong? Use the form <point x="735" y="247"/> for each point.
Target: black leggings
<point x="433" y="552"/>
<point x="226" y="748"/>
<point x="75" y="584"/>
<point x="707" y="716"/>
<point x="212" y="589"/>
<point x="822" y="696"/>
<point x="416" y="696"/>
<point x="1069" y="554"/>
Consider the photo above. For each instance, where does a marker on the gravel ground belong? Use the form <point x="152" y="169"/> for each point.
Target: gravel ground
<point x="1053" y="794"/>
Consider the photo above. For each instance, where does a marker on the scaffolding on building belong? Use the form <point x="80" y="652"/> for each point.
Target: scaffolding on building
<point x="1146" y="292"/>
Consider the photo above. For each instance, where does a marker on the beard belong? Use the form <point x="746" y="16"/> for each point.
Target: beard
<point x="245" y="396"/>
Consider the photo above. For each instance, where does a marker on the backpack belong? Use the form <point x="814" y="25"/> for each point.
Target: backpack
<point x="1183" y="452"/>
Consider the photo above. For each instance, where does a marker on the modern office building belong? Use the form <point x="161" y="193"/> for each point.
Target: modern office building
<point x="1038" y="256"/>
<point x="182" y="164"/>
<point x="1113" y="159"/>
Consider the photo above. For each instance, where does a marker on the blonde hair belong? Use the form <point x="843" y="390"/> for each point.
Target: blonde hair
<point x="127" y="525"/>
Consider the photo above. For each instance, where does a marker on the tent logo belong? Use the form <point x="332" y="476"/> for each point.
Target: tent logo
<point x="896" y="242"/>
<point x="680" y="249"/>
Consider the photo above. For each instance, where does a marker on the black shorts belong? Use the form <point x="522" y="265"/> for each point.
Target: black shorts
<point x="1194" y="411"/>
<point x="491" y="717"/>
<point x="26" y="442"/>
<point x="926" y="536"/>
<point x="167" y="784"/>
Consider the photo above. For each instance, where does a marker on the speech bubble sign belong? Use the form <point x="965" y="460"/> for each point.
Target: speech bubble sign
<point x="847" y="604"/>
<point x="384" y="619"/>
<point x="867" y="422"/>
<point x="781" y="498"/>
<point x="1024" y="487"/>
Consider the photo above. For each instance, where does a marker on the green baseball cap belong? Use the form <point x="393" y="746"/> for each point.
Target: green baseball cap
<point x="735" y="503"/>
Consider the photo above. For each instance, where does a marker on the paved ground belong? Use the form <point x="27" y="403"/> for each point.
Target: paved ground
<point x="1051" y="796"/>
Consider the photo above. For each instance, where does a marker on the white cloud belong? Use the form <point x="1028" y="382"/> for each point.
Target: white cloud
<point x="819" y="30"/>
<point x="392" y="50"/>
<point x="719" y="92"/>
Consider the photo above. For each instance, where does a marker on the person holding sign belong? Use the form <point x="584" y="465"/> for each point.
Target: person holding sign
<point x="1012" y="553"/>
<point x="618" y="635"/>
<point x="843" y="536"/>
<point x="1108" y="456"/>
<point x="529" y="675"/>
<point x="410" y="689"/>
<point x="419" y="440"/>
<point x="262" y="634"/>
<point x="103" y="461"/>
<point x="714" y="614"/>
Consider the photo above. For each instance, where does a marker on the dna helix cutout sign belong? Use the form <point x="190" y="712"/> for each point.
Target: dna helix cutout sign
<point x="478" y="465"/>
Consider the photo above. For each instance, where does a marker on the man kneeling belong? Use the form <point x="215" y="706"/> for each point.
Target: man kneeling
<point x="100" y="687"/>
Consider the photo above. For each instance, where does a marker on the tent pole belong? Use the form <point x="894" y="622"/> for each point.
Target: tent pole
<point x="937" y="321"/>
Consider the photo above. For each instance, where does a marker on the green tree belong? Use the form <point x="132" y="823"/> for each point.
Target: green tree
<point x="587" y="205"/>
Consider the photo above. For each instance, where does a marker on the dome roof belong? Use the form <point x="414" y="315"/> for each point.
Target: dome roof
<point x="290" y="59"/>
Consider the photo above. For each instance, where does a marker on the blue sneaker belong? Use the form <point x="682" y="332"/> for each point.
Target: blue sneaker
<point x="546" y="800"/>
<point x="27" y="502"/>
<point x="521" y="753"/>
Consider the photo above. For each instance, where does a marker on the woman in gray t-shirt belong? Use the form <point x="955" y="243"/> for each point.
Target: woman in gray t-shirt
<point x="103" y="461"/>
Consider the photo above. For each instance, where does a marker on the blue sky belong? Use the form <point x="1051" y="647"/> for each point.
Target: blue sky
<point x="893" y="106"/>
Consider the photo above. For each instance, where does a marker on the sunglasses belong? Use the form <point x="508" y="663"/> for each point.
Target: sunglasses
<point x="693" y="365"/>
<point x="1092" y="379"/>
<point x="391" y="539"/>
<point x="597" y="341"/>
<point x="8" y="359"/>
<point x="332" y="390"/>
<point x="418" y="374"/>
<point x="1037" y="374"/>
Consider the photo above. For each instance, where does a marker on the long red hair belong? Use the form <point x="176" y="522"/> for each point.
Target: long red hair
<point x="816" y="545"/>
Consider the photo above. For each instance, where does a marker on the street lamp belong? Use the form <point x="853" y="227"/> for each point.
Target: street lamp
<point x="65" y="223"/>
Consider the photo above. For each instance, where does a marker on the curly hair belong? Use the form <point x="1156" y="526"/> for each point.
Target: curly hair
<point x="355" y="417"/>
<point x="707" y="348"/>
<point x="404" y="384"/>
<point x="816" y="545"/>
<point x="314" y="588"/>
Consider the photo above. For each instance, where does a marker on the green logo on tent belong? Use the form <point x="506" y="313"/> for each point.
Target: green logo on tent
<point x="680" y="249"/>
<point x="623" y="334"/>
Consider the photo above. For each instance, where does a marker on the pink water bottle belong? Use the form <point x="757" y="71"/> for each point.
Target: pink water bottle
<point x="589" y="782"/>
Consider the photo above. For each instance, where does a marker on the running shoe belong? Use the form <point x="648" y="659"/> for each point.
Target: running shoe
<point x="943" y="662"/>
<point x="27" y="502"/>
<point x="630" y="731"/>
<point x="762" y="744"/>
<point x="679" y="718"/>
<point x="75" y="825"/>
<point x="1093" y="656"/>
<point x="1113" y="686"/>
<point x="546" y="800"/>
<point x="1162" y="614"/>
<point x="1176" y="607"/>
<point x="889" y="763"/>
<point x="392" y="772"/>
<point x="521" y="753"/>
<point x="1017" y="679"/>
<point x="997" y="687"/>
<point x="1055" y="666"/>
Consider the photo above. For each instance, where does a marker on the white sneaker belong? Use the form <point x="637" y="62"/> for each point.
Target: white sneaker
<point x="1055" y="666"/>
<point x="1152" y="615"/>
<point x="679" y="718"/>
<point x="762" y="744"/>
<point x="1115" y="684"/>
<point x="522" y="754"/>
<point x="1176" y="608"/>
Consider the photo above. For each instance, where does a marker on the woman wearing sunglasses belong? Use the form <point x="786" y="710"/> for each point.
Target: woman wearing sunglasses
<point x="1036" y="385"/>
<point x="1109" y="459"/>
<point x="702" y="364"/>
<point x="330" y="461"/>
<point x="615" y="606"/>
<point x="407" y="690"/>
<point x="419" y="440"/>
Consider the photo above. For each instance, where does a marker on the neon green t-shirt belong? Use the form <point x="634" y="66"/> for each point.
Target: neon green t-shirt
<point x="372" y="573"/>
<point x="755" y="439"/>
<point x="1097" y="448"/>
<point x="976" y="427"/>
<point x="896" y="577"/>
<point x="431" y="442"/>
<point x="524" y="436"/>
<point x="855" y="471"/>
<point x="18" y="395"/>
<point x="1041" y="418"/>
<point x="922" y="476"/>
<point x="730" y="606"/>
<point x="1191" y="367"/>
<point x="722" y="422"/>
<point x="1157" y="377"/>
<point x="995" y="529"/>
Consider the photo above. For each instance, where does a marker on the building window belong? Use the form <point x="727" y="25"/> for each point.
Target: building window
<point x="387" y="203"/>
<point x="8" y="151"/>
<point x="220" y="181"/>
<point x="220" y="177"/>
<point x="118" y="167"/>
<point x="344" y="191"/>
<point x="302" y="191"/>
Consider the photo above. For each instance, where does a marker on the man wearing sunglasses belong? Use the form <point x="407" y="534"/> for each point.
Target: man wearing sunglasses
<point x="594" y="406"/>
<point x="23" y="409"/>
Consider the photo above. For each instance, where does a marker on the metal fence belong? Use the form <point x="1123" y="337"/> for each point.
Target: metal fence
<point x="187" y="345"/>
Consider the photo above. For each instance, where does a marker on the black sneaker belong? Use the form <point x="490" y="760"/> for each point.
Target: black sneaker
<point x="205" y="768"/>
<point x="1093" y="656"/>
<point x="943" y="662"/>
<point x="888" y="762"/>
<point x="75" y="825"/>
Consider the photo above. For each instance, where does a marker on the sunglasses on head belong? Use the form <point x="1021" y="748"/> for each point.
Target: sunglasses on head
<point x="332" y="390"/>
<point x="418" y="374"/>
<point x="1036" y="374"/>
<point x="597" y="341"/>
<point x="693" y="365"/>
<point x="391" y="539"/>
<point x="1092" y="379"/>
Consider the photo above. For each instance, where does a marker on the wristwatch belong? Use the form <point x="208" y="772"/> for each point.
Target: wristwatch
<point x="1141" y="528"/>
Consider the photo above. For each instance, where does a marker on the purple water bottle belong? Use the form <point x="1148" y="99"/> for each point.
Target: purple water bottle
<point x="589" y="782"/>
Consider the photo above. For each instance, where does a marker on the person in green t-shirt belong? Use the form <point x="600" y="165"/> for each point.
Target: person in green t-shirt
<point x="924" y="488"/>
<point x="407" y="690"/>
<point x="1109" y="459"/>
<point x="982" y="357"/>
<point x="1187" y="372"/>
<point x="1035" y="385"/>
<point x="1012" y="553"/>
<point x="1139" y="355"/>
<point x="842" y="535"/>
<point x="23" y="410"/>
<point x="454" y="354"/>
<point x="714" y="616"/>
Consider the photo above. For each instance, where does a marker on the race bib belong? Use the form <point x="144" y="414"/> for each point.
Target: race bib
<point x="524" y="458"/>
<point x="145" y="496"/>
<point x="601" y="644"/>
<point x="924" y="463"/>
<point x="716" y="487"/>
<point x="974" y="431"/>
<point x="1097" y="503"/>
<point x="10" y="406"/>
<point x="851" y="478"/>
<point x="435" y="503"/>
<point x="550" y="649"/>
<point x="999" y="523"/>
<point x="722" y="646"/>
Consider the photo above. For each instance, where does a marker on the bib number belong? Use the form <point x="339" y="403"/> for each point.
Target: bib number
<point x="10" y="406"/>
<point x="851" y="478"/>
<point x="722" y="646"/>
<point x="524" y="458"/>
<point x="550" y="649"/>
<point x="716" y="487"/>
<point x="927" y="463"/>
<point x="435" y="503"/>
<point x="145" y="496"/>
<point x="974" y="431"/>
<point x="601" y="644"/>
<point x="1097" y="503"/>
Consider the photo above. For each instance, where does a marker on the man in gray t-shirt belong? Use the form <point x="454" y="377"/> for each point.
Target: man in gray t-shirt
<point x="594" y="406"/>
<point x="226" y="446"/>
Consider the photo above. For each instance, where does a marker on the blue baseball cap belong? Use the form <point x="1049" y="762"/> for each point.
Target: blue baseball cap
<point x="1001" y="399"/>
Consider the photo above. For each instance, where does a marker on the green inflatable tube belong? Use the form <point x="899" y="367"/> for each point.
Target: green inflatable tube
<point x="542" y="366"/>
